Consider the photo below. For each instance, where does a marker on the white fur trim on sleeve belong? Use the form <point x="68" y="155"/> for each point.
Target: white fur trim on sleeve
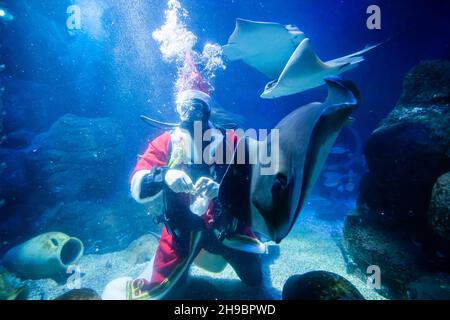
<point x="135" y="187"/>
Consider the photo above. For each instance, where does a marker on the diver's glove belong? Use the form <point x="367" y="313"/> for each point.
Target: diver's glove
<point x="207" y="187"/>
<point x="178" y="181"/>
<point x="145" y="184"/>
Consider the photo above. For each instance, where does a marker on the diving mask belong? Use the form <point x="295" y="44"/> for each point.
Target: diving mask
<point x="192" y="110"/>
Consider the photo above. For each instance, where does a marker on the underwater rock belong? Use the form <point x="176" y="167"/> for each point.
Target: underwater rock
<point x="142" y="250"/>
<point x="320" y="285"/>
<point x="8" y="291"/>
<point x="404" y="161"/>
<point x="419" y="125"/>
<point x="430" y="287"/>
<point x="369" y="243"/>
<point x="45" y="256"/>
<point x="405" y="156"/>
<point x="439" y="211"/>
<point x="18" y="139"/>
<point x="428" y="82"/>
<point x="77" y="158"/>
<point x="79" y="294"/>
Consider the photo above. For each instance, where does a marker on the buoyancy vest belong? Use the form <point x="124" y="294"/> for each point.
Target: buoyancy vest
<point x="184" y="155"/>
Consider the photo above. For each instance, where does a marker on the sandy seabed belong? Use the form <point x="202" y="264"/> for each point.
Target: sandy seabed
<point x="312" y="245"/>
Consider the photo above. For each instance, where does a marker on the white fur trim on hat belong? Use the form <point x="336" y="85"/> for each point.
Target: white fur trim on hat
<point x="187" y="95"/>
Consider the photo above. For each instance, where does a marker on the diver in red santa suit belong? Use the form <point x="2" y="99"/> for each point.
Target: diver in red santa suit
<point x="195" y="225"/>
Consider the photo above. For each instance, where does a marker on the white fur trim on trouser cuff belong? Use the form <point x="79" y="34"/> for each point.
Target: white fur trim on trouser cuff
<point x="136" y="186"/>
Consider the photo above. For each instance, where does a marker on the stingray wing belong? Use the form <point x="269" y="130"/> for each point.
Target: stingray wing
<point x="305" y="70"/>
<point x="265" y="46"/>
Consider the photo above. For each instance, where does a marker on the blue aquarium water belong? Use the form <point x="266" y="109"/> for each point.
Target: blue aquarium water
<point x="350" y="198"/>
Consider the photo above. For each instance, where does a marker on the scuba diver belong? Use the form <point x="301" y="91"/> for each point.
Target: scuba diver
<point x="195" y="226"/>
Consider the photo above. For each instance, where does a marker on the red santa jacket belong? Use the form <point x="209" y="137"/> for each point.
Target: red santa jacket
<point x="157" y="155"/>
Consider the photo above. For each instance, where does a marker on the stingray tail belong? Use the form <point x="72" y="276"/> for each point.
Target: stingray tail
<point x="354" y="58"/>
<point x="363" y="51"/>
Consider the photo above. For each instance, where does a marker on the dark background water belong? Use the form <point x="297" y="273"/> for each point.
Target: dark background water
<point x="113" y="67"/>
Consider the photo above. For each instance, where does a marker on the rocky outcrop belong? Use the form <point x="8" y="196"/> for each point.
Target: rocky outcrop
<point x="427" y="83"/>
<point x="411" y="147"/>
<point x="430" y="287"/>
<point x="72" y="178"/>
<point x="79" y="294"/>
<point x="320" y="285"/>
<point x="439" y="211"/>
<point x="77" y="158"/>
<point x="369" y="244"/>
<point x="394" y="225"/>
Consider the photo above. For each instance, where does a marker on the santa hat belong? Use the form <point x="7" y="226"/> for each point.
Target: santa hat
<point x="191" y="83"/>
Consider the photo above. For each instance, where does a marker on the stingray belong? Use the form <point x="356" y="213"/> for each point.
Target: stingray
<point x="265" y="46"/>
<point x="271" y="203"/>
<point x="284" y="53"/>
<point x="305" y="70"/>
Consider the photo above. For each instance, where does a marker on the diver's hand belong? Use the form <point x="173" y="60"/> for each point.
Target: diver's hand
<point x="207" y="187"/>
<point x="178" y="181"/>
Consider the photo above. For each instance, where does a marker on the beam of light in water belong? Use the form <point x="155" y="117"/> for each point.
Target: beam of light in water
<point x="176" y="41"/>
<point x="5" y="15"/>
